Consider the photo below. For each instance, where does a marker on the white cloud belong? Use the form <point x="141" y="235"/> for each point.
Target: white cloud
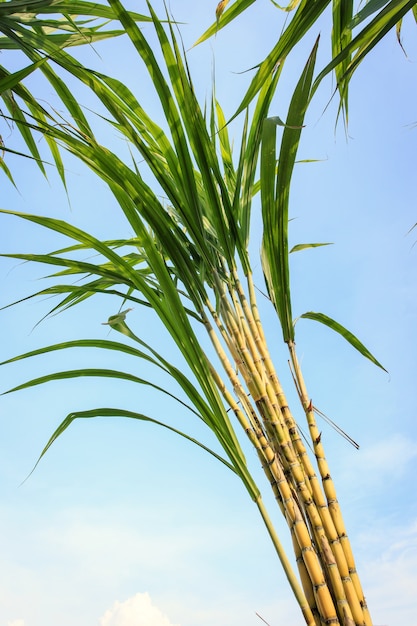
<point x="376" y="465"/>
<point x="16" y="622"/>
<point x="390" y="576"/>
<point x="398" y="447"/>
<point x="136" y="611"/>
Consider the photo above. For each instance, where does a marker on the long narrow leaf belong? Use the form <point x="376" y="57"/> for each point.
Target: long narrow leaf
<point x="11" y="80"/>
<point x="226" y="17"/>
<point x="367" y="39"/>
<point x="108" y="412"/>
<point x="275" y="197"/>
<point x="341" y="330"/>
<point x="305" y="246"/>
<point x="341" y="37"/>
<point x="307" y="14"/>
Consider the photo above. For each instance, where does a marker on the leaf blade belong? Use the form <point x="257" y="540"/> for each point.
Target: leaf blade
<point x="344" y="332"/>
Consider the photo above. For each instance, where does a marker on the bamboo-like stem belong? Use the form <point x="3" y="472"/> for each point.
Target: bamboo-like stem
<point x="247" y="332"/>
<point x="256" y="382"/>
<point x="343" y="574"/>
<point x="305" y="579"/>
<point x="355" y="596"/>
<point x="230" y="371"/>
<point x="274" y="476"/>
<point x="282" y="403"/>
<point x="244" y="341"/>
<point x="339" y="577"/>
<point x="277" y="480"/>
<point x="292" y="579"/>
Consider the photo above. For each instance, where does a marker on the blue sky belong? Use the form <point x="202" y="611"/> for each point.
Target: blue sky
<point x="118" y="510"/>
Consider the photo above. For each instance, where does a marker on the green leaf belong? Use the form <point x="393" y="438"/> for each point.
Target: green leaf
<point x="341" y="37"/>
<point x="304" y="246"/>
<point x="365" y="41"/>
<point x="275" y="193"/>
<point x="43" y="40"/>
<point x="11" y="80"/>
<point x="341" y="330"/>
<point x="307" y="14"/>
<point x="372" y="6"/>
<point x="92" y="372"/>
<point x="108" y="412"/>
<point x="227" y="16"/>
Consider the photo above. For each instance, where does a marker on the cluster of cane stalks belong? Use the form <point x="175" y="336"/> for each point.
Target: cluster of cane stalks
<point x="184" y="249"/>
<point x="331" y="590"/>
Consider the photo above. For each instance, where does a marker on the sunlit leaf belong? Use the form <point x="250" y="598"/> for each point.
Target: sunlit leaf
<point x="227" y="16"/>
<point x="305" y="246"/>
<point x="121" y="413"/>
<point x="275" y="192"/>
<point x="341" y="330"/>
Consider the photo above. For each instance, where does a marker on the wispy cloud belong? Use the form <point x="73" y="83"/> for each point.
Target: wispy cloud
<point x="390" y="577"/>
<point x="136" y="611"/>
<point x="377" y="464"/>
<point x="390" y="455"/>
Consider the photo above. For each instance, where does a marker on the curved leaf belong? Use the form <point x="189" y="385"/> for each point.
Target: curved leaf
<point x="341" y="330"/>
<point x="95" y="372"/>
<point x="365" y="41"/>
<point x="306" y="15"/>
<point x="43" y="39"/>
<point x="225" y="18"/>
<point x="108" y="412"/>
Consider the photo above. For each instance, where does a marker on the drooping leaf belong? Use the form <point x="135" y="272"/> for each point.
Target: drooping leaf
<point x="361" y="44"/>
<point x="341" y="330"/>
<point x="109" y="412"/>
<point x="220" y="9"/>
<point x="42" y="30"/>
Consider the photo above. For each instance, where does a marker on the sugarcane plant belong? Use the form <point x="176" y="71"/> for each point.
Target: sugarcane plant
<point x="188" y="259"/>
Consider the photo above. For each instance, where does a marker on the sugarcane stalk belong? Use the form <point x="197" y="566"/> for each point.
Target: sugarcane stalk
<point x="329" y="489"/>
<point x="270" y="467"/>
<point x="305" y="578"/>
<point x="292" y="579"/>
<point x="342" y="581"/>
<point x="241" y="333"/>
<point x="335" y="533"/>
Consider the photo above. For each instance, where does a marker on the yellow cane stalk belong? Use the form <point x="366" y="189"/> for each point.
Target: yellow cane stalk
<point x="347" y="572"/>
<point x="328" y="486"/>
<point x="339" y="576"/>
<point x="194" y="247"/>
<point x="298" y="592"/>
<point x="241" y="335"/>
<point x="274" y="475"/>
